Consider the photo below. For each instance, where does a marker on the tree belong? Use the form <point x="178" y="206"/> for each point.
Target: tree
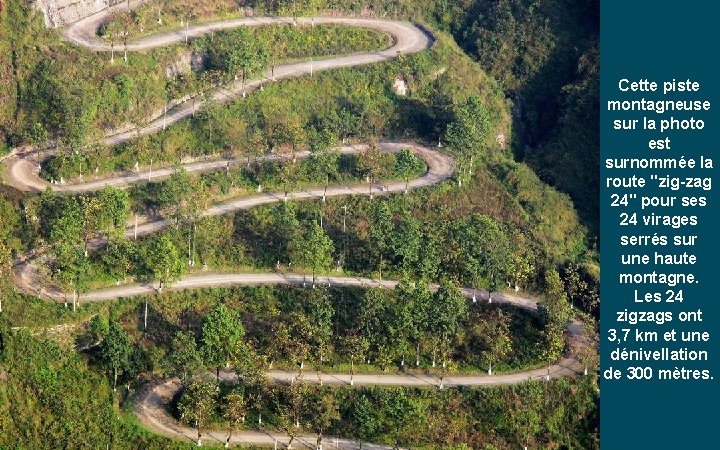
<point x="61" y="218"/>
<point x="313" y="7"/>
<point x="320" y="312"/>
<point x="113" y="209"/>
<point x="289" y="406"/>
<point x="222" y="337"/>
<point x="239" y="53"/>
<point x="175" y="192"/>
<point x="418" y="300"/>
<point x="381" y="232"/>
<point x="355" y="346"/>
<point x="581" y="288"/>
<point x="406" y="242"/>
<point x="470" y="129"/>
<point x="278" y="49"/>
<point x="234" y="410"/>
<point x="115" y="350"/>
<point x="288" y="174"/>
<point x="162" y="261"/>
<point x="258" y="147"/>
<point x="448" y="310"/>
<point x="313" y="249"/>
<point x="370" y="164"/>
<point x="400" y="322"/>
<point x="493" y="336"/>
<point x="587" y="353"/>
<point x="286" y="228"/>
<point x="521" y="266"/>
<point x="112" y="30"/>
<point x="183" y="360"/>
<point x="364" y="419"/>
<point x="197" y="404"/>
<point x="372" y="320"/>
<point x="344" y="122"/>
<point x="484" y="250"/>
<point x="408" y="165"/>
<point x="71" y="269"/>
<point x="287" y="129"/>
<point x="278" y="346"/>
<point x="119" y="258"/>
<point x="256" y="388"/>
<point x="298" y="396"/>
<point x="324" y="160"/>
<point x="91" y="214"/>
<point x="555" y="312"/>
<point x="297" y="342"/>
<point x="429" y="260"/>
<point x="324" y="413"/>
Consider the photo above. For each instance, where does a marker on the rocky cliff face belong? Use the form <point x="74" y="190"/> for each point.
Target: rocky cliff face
<point x="61" y="12"/>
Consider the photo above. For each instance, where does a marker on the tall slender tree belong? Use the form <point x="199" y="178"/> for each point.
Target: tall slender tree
<point x="115" y="350"/>
<point x="222" y="337"/>
<point x="448" y="311"/>
<point x="313" y="249"/>
<point x="494" y="338"/>
<point x="234" y="408"/>
<point x="324" y="412"/>
<point x="197" y="404"/>
<point x="184" y="359"/>
<point x="408" y="165"/>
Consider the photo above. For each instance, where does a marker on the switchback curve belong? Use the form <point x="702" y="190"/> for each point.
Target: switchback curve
<point x="152" y="404"/>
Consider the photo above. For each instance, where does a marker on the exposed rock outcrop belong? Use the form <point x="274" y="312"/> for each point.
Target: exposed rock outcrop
<point x="61" y="12"/>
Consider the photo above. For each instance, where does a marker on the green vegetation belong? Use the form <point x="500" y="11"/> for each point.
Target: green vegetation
<point x="317" y="112"/>
<point x="537" y="415"/>
<point x="405" y="329"/>
<point x="50" y="395"/>
<point x="65" y="387"/>
<point x="525" y="120"/>
<point x="58" y="91"/>
<point x="545" y="56"/>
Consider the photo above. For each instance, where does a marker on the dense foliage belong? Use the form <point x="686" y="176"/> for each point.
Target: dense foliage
<point x="406" y="329"/>
<point x="494" y="225"/>
<point x="54" y="90"/>
<point x="536" y="415"/>
<point x="49" y="397"/>
<point x="544" y="54"/>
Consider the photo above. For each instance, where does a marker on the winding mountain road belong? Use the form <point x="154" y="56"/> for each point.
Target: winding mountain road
<point x="152" y="404"/>
<point x="408" y="39"/>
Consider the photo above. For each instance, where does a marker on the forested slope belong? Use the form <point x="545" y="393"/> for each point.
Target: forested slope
<point x="544" y="54"/>
<point x="493" y="225"/>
